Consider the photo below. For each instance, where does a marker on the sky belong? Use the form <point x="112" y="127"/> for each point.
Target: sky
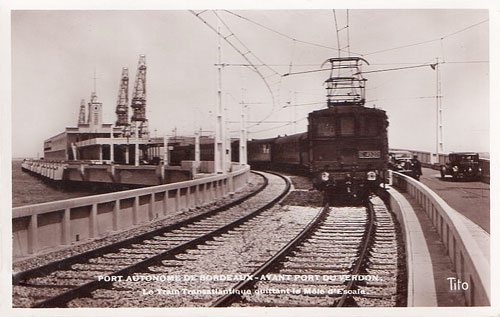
<point x="56" y="53"/>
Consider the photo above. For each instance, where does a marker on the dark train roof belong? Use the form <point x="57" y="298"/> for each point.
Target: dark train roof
<point x="288" y="138"/>
<point x="464" y="153"/>
<point x="269" y="140"/>
<point x="348" y="109"/>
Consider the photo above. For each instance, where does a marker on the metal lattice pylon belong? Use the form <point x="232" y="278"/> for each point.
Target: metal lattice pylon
<point x="81" y="116"/>
<point x="139" y="121"/>
<point x="122" y="103"/>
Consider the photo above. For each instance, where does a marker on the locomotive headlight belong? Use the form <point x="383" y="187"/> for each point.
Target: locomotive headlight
<point x="371" y="176"/>
<point x="455" y="168"/>
<point x="480" y="170"/>
<point x="325" y="176"/>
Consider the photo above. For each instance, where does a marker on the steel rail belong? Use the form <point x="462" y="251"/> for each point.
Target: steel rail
<point x="362" y="255"/>
<point x="85" y="290"/>
<point x="227" y="299"/>
<point x="48" y="268"/>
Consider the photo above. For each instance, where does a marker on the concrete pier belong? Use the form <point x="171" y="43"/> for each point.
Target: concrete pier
<point x="47" y="226"/>
<point x="145" y="175"/>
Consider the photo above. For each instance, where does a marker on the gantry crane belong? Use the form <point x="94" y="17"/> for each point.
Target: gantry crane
<point x="139" y="122"/>
<point x="81" y="116"/>
<point x="122" y="103"/>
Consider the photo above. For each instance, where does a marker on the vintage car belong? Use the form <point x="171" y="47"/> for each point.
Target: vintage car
<point x="399" y="160"/>
<point x="462" y="165"/>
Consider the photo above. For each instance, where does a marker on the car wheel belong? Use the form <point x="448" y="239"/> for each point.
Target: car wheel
<point x="442" y="173"/>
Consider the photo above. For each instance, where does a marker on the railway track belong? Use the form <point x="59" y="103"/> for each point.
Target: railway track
<point x="57" y="283"/>
<point x="346" y="256"/>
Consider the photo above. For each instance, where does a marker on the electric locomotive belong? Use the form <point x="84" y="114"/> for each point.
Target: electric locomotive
<point x="348" y="142"/>
<point x="348" y="149"/>
<point x="345" y="149"/>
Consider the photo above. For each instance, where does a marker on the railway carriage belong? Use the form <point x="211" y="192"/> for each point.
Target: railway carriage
<point x="291" y="152"/>
<point x="259" y="152"/>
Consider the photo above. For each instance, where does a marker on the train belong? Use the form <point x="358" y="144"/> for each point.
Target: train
<point x="344" y="150"/>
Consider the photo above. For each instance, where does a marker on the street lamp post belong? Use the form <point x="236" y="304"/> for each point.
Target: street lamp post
<point x="219" y="157"/>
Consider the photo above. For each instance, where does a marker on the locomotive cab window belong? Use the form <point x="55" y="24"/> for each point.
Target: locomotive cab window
<point x="265" y="148"/>
<point x="347" y="126"/>
<point x="324" y="126"/>
<point x="369" y="126"/>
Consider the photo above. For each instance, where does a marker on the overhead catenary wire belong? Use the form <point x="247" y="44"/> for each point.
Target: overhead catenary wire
<point x="254" y="66"/>
<point x="244" y="46"/>
<point x="244" y="55"/>
<point x="417" y="63"/>
<point x="281" y="33"/>
<point x="291" y="57"/>
<point x="307" y="71"/>
<point x="277" y="127"/>
<point x="271" y="128"/>
<point x="347" y="39"/>
<point x="304" y="104"/>
<point x="390" y="69"/>
<point x="336" y="31"/>
<point x="268" y="122"/>
<point x="274" y="72"/>
<point x="363" y="72"/>
<point x="428" y="41"/>
<point x="385" y="82"/>
<point x="347" y="30"/>
<point x="465" y="62"/>
<point x="433" y="65"/>
<point x="403" y="98"/>
<point x="372" y="64"/>
<point x="465" y="29"/>
<point x="403" y="46"/>
<point x="397" y="68"/>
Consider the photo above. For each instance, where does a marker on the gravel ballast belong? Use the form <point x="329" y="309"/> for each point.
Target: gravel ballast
<point x="204" y="273"/>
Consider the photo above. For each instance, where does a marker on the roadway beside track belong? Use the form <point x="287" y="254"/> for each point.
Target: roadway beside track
<point x="440" y="243"/>
<point x="427" y="268"/>
<point x="469" y="198"/>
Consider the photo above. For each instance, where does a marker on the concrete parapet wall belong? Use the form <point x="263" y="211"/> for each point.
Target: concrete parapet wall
<point x="206" y="166"/>
<point x="469" y="262"/>
<point x="421" y="289"/>
<point x="47" y="226"/>
<point x="203" y="166"/>
<point x="105" y="173"/>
